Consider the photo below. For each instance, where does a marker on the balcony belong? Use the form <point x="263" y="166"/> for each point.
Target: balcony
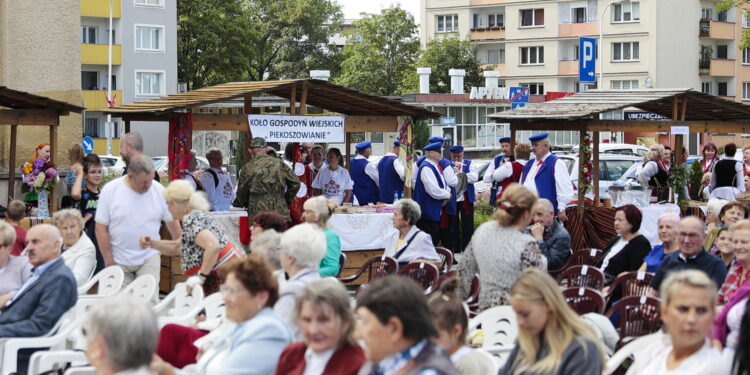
<point x="497" y="67"/>
<point x="567" y="68"/>
<point x="716" y="30"/>
<point x="95" y="100"/>
<point x="716" y="67"/>
<point x="488" y="33"/>
<point x="100" y="8"/>
<point x="486" y="2"/>
<point x="578" y="29"/>
<point x="97" y="54"/>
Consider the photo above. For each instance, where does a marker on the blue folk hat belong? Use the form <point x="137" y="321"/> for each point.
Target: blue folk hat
<point x="435" y="146"/>
<point x="504" y="139"/>
<point x="397" y="144"/>
<point x="457" y="148"/>
<point x="363" y="145"/>
<point x="435" y="139"/>
<point x="538" y="137"/>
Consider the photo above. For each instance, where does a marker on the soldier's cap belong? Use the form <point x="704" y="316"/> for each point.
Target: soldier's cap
<point x="538" y="137"/>
<point x="433" y="146"/>
<point x="258" y="142"/>
<point x="457" y="148"/>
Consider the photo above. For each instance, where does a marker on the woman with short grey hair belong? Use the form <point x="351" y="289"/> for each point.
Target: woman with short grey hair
<point x="317" y="211"/>
<point x="407" y="243"/>
<point x="300" y="250"/>
<point x="78" y="251"/>
<point x="121" y="335"/>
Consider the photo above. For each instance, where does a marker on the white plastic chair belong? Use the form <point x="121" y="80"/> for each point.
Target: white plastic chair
<point x="57" y="337"/>
<point x="142" y="288"/>
<point x="179" y="301"/>
<point x="500" y="331"/>
<point x="490" y="359"/>
<point x="43" y="361"/>
<point x="110" y="282"/>
<point x="213" y="304"/>
<point x="88" y="370"/>
<point x="634" y="348"/>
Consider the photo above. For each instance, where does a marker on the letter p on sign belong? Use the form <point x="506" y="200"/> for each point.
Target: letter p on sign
<point x="587" y="60"/>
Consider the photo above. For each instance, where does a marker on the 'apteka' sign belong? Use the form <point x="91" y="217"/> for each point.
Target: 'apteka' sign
<point x="289" y="128"/>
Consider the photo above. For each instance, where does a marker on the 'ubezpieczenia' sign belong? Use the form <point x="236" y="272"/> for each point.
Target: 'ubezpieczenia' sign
<point x="288" y="128"/>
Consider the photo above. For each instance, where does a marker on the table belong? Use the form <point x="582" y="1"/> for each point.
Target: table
<point x="235" y="225"/>
<point x="367" y="231"/>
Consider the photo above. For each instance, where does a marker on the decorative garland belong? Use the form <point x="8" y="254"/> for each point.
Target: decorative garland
<point x="408" y="144"/>
<point x="588" y="167"/>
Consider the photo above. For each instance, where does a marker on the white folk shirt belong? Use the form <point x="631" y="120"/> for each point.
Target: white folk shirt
<point x="371" y="170"/>
<point x="488" y="177"/>
<point x="315" y="363"/>
<point x="431" y="184"/>
<point x="397" y="165"/>
<point x="471" y="177"/>
<point x="505" y="171"/>
<point x="333" y="184"/>
<point x="220" y="195"/>
<point x="563" y="185"/>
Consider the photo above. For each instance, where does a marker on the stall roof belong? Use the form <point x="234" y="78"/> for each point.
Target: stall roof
<point x="14" y="99"/>
<point x="588" y="104"/>
<point x="320" y="93"/>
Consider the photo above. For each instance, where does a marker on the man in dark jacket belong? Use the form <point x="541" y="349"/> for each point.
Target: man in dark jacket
<point x="552" y="237"/>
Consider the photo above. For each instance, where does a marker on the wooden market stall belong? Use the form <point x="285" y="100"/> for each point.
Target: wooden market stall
<point x="363" y="113"/>
<point x="701" y="113"/>
<point x="18" y="108"/>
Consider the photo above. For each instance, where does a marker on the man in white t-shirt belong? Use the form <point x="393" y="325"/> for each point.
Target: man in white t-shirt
<point x="131" y="207"/>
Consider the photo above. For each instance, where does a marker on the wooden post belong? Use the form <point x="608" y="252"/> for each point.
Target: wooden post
<point x="581" y="196"/>
<point x="348" y="151"/>
<point x="595" y="162"/>
<point x="678" y="140"/>
<point x="247" y="109"/>
<point x="52" y="151"/>
<point x="293" y="101"/>
<point x="303" y="100"/>
<point x="12" y="165"/>
<point x="512" y="138"/>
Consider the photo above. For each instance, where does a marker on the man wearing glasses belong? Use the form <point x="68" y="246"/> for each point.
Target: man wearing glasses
<point x="690" y="236"/>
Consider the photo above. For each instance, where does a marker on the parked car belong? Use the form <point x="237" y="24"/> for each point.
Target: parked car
<point x="618" y="148"/>
<point x="611" y="168"/>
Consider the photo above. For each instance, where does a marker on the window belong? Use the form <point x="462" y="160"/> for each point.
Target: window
<point x="721" y="89"/>
<point x="627" y="51"/>
<point x="532" y="55"/>
<point x="625" y="85"/>
<point x="532" y="17"/>
<point x="706" y="88"/>
<point x="89" y="80"/>
<point x="88" y="34"/>
<point x="579" y="15"/>
<point x="722" y="16"/>
<point x="447" y="23"/>
<point x="535" y="88"/>
<point x="746" y="55"/>
<point x="707" y="13"/>
<point x="91" y="128"/>
<point x="722" y="52"/>
<point x="475" y="22"/>
<point x="376" y="137"/>
<point x="149" y="38"/>
<point x="150" y="3"/>
<point x="745" y="90"/>
<point x="495" y="20"/>
<point x="626" y="12"/>
<point x="744" y="19"/>
<point x="149" y="83"/>
<point x="496" y="56"/>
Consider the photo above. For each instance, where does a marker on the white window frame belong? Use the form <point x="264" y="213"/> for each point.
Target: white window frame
<point x="621" y="46"/>
<point x="745" y="23"/>
<point x="745" y="90"/>
<point x="533" y="18"/>
<point x="619" y="10"/>
<point x="539" y="55"/>
<point x="162" y="82"/>
<point x="162" y="37"/>
<point x="621" y="84"/>
<point x="746" y="56"/>
<point x="144" y="3"/>
<point x="573" y="14"/>
<point x="533" y="87"/>
<point x="454" y="23"/>
<point x="707" y="87"/>
<point x="85" y="29"/>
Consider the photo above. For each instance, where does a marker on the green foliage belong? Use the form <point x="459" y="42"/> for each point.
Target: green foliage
<point x="384" y="48"/>
<point x="728" y="4"/>
<point x="421" y="133"/>
<point x="482" y="212"/>
<point x="443" y="54"/>
<point x="696" y="175"/>
<point x="678" y="177"/>
<point x="238" y="159"/>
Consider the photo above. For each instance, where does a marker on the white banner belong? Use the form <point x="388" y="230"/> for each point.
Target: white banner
<point x="288" y="128"/>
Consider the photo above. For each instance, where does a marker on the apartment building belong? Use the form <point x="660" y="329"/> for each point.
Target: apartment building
<point x="144" y="64"/>
<point x="646" y="43"/>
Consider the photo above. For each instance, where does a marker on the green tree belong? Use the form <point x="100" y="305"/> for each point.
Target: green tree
<point x="728" y="4"/>
<point x="384" y="49"/>
<point x="209" y="41"/>
<point x="443" y="54"/>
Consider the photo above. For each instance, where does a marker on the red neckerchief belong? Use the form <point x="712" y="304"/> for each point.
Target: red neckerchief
<point x="710" y="166"/>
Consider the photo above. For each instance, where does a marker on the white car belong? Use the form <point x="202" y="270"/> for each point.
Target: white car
<point x="618" y="149"/>
<point x="611" y="168"/>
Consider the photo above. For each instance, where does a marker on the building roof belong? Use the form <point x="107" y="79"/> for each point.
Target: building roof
<point x="588" y="104"/>
<point x="320" y="94"/>
<point x="14" y="99"/>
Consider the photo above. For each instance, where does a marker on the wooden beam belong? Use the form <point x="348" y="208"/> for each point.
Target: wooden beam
<point x="143" y="117"/>
<point x="375" y="101"/>
<point x="12" y="163"/>
<point x="636" y="126"/>
<point x="52" y="151"/>
<point x="512" y="139"/>
<point x="48" y="117"/>
<point x="348" y="146"/>
<point x="303" y="101"/>
<point x="678" y="156"/>
<point x="215" y="121"/>
<point x="371" y="124"/>
<point x="293" y="101"/>
<point x="595" y="163"/>
<point x="247" y="109"/>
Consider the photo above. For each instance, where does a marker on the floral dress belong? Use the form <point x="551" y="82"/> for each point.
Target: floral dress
<point x="192" y="254"/>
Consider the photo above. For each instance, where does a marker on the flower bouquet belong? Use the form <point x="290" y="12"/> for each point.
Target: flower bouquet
<point x="40" y="176"/>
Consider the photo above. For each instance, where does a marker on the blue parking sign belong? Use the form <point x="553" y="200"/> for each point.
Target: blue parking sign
<point x="587" y="59"/>
<point x="518" y="96"/>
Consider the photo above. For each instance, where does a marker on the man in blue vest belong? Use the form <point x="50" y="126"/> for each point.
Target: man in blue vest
<point x="391" y="173"/>
<point x="365" y="175"/>
<point x="430" y="140"/>
<point x="497" y="161"/>
<point x="546" y="176"/>
<point x="431" y="192"/>
<point x="463" y="228"/>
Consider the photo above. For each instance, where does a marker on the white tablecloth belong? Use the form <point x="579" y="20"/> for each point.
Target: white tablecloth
<point x="362" y="231"/>
<point x="651" y="214"/>
<point x="230" y="221"/>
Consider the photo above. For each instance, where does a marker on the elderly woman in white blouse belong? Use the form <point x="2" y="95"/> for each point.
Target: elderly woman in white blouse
<point x="78" y="251"/>
<point x="14" y="271"/>
<point x="407" y="243"/>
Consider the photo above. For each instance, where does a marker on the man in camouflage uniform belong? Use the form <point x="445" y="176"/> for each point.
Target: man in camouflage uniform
<point x="266" y="183"/>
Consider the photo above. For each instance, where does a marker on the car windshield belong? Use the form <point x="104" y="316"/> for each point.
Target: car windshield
<point x="158" y="162"/>
<point x="616" y="168"/>
<point x="569" y="164"/>
<point x="108" y="162"/>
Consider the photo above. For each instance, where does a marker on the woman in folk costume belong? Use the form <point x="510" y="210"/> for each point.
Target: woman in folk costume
<point x="295" y="159"/>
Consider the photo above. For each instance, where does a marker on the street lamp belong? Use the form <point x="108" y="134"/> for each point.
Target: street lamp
<point x="601" y="41"/>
